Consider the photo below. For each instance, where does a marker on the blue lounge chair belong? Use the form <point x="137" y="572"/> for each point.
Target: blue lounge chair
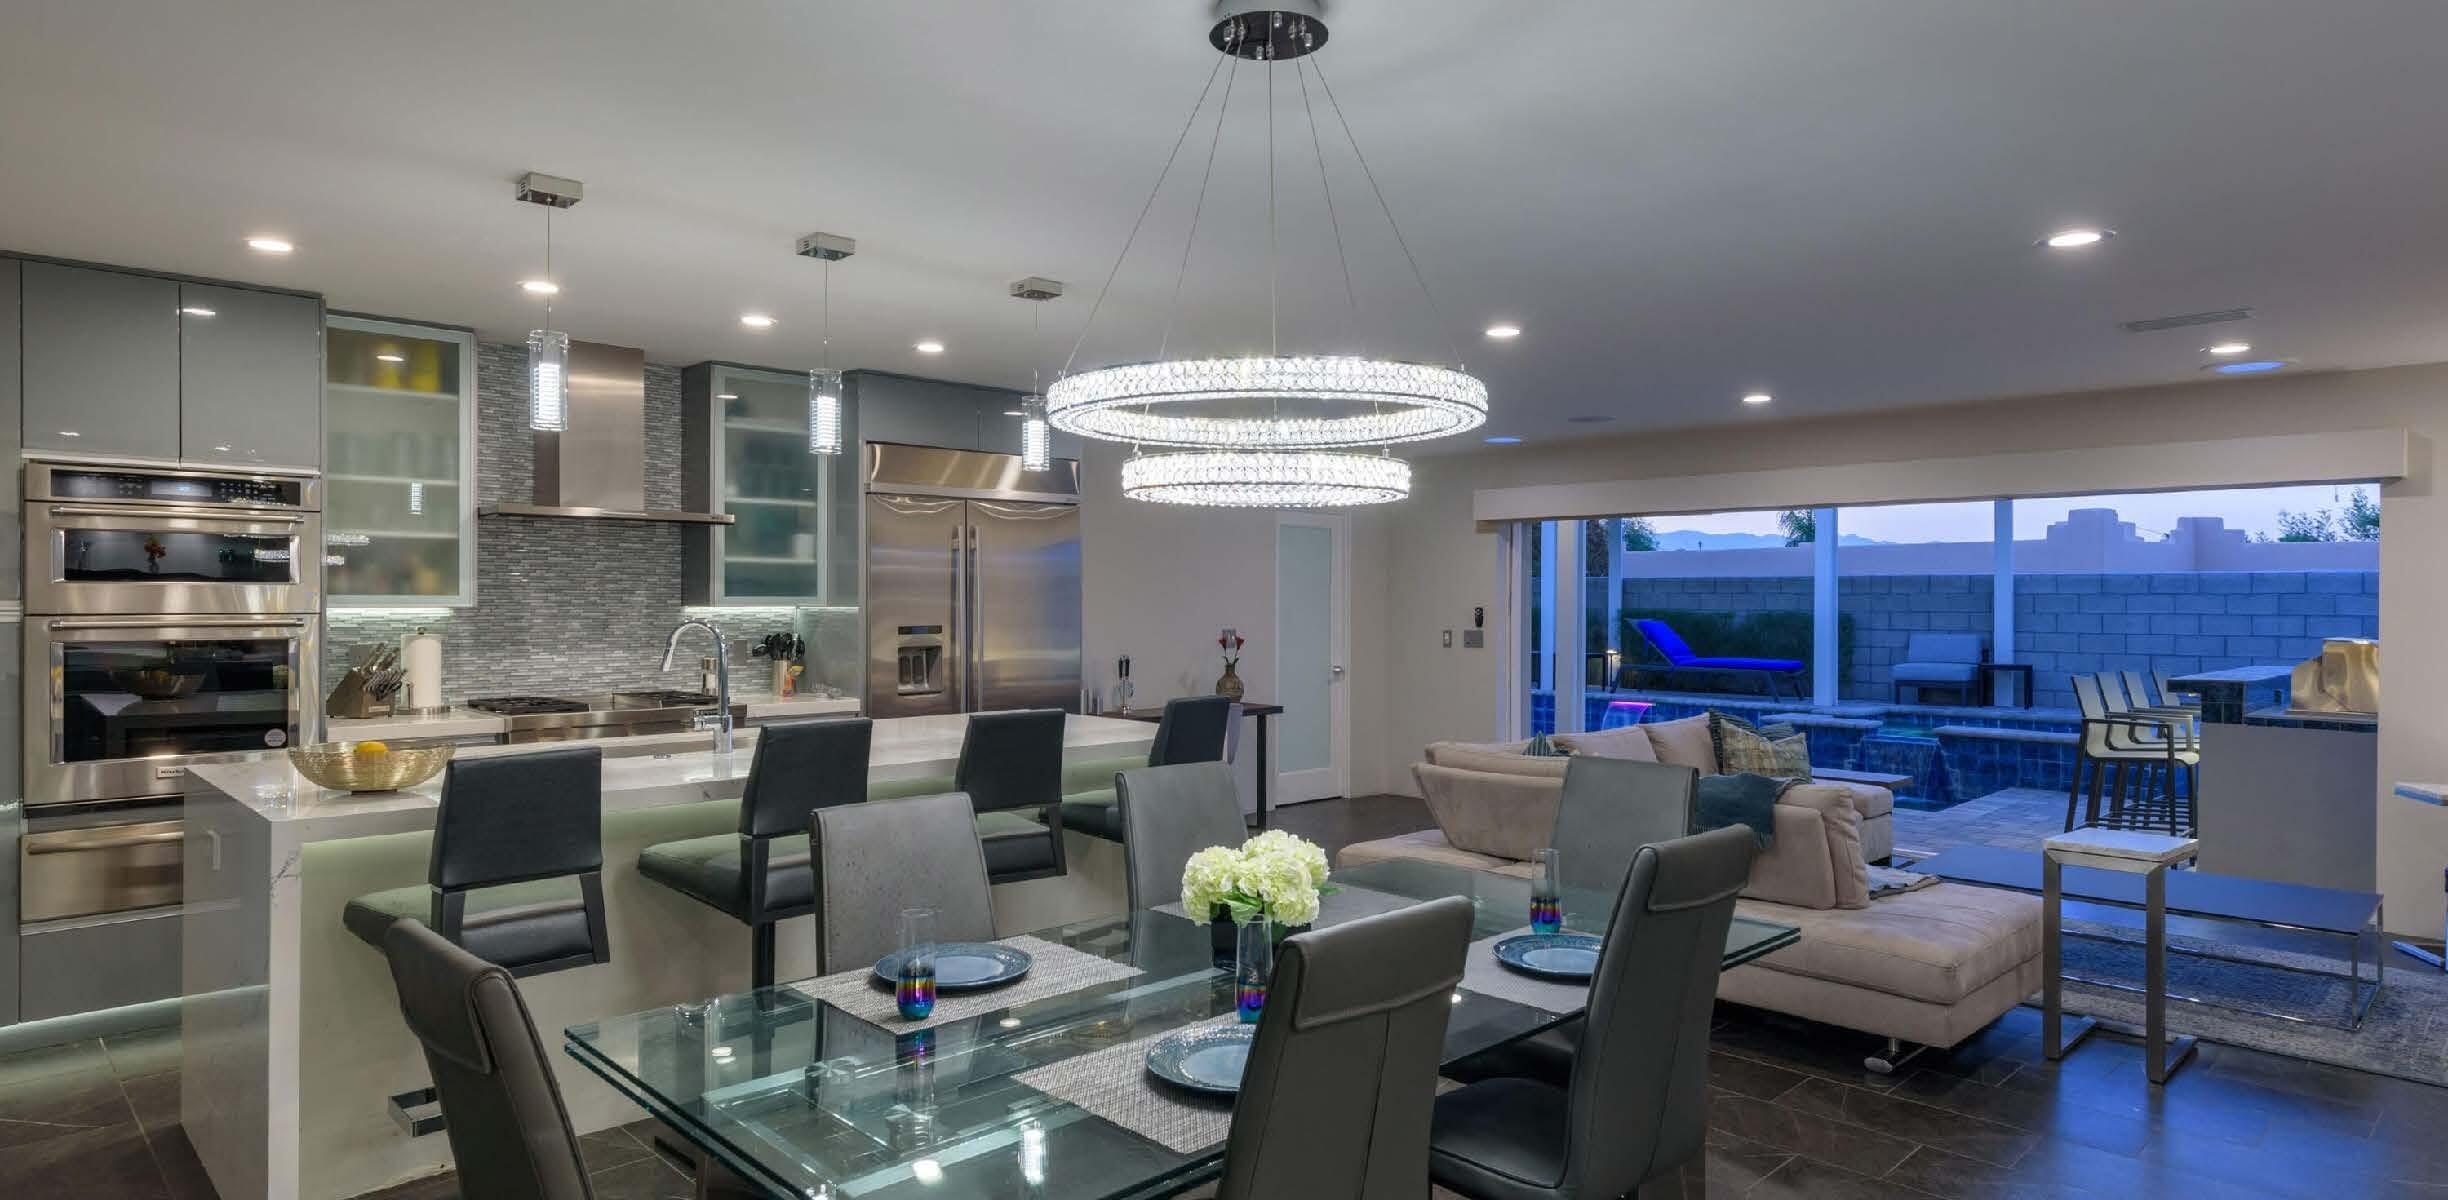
<point x="1678" y="656"/>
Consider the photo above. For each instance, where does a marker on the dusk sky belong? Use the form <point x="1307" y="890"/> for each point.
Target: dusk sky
<point x="2254" y="510"/>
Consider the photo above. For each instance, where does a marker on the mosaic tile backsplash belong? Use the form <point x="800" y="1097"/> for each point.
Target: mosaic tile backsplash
<point x="571" y="607"/>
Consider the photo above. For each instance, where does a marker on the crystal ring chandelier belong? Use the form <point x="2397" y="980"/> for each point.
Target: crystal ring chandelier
<point x="1266" y="478"/>
<point x="1273" y="429"/>
<point x="1309" y="402"/>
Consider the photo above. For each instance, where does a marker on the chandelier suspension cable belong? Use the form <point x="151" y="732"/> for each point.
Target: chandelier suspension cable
<point x="1318" y="148"/>
<point x="1223" y="110"/>
<point x="1274" y="344"/>
<point x="1435" y="312"/>
<point x="1178" y="139"/>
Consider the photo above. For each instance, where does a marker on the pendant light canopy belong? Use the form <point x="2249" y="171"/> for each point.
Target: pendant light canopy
<point x="548" y="350"/>
<point x="1264" y="428"/>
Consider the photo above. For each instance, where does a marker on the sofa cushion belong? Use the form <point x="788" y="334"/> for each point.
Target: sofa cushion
<point x="1951" y="649"/>
<point x="1507" y="815"/>
<point x="1937" y="945"/>
<point x="1628" y="741"/>
<point x="1427" y="845"/>
<point x="1840" y="832"/>
<point x="1684" y="743"/>
<point x="1870" y="800"/>
<point x="1934" y="672"/>
<point x="1465" y="756"/>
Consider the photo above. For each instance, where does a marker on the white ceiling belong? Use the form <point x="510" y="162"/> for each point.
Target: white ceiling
<point x="1680" y="201"/>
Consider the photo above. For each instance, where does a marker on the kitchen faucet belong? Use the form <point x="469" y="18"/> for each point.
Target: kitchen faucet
<point x="721" y="720"/>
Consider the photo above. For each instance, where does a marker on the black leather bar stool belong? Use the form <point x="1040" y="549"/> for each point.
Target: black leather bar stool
<point x="515" y="878"/>
<point x="761" y="874"/>
<point x="1011" y="770"/>
<point x="1193" y="729"/>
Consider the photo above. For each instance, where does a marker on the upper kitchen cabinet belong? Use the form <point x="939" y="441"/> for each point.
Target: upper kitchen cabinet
<point x="746" y="453"/>
<point x="931" y="412"/>
<point x="12" y="415"/>
<point x="250" y="373"/>
<point x="400" y="464"/>
<point x="101" y="361"/>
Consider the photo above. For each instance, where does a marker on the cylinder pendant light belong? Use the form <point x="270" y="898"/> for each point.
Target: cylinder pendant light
<point x="824" y="412"/>
<point x="548" y="381"/>
<point x="1036" y="441"/>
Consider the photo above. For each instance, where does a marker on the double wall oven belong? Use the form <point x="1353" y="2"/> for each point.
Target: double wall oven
<point x="171" y="620"/>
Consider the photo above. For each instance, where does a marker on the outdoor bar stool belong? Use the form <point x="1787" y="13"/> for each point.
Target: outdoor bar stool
<point x="761" y="874"/>
<point x="1011" y="769"/>
<point x="2121" y="750"/>
<point x="1193" y="729"/>
<point x="515" y="878"/>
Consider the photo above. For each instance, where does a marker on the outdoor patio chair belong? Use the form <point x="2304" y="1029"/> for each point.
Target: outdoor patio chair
<point x="1942" y="660"/>
<point x="2168" y="697"/>
<point x="2122" y="753"/>
<point x="2119" y="691"/>
<point x="1677" y="656"/>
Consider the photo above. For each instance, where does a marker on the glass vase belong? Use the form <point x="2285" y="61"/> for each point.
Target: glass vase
<point x="1253" y="966"/>
<point x="914" y="986"/>
<point x="1546" y="894"/>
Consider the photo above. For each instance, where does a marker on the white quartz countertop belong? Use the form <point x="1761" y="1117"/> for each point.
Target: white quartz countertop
<point x="462" y="721"/>
<point x="904" y="748"/>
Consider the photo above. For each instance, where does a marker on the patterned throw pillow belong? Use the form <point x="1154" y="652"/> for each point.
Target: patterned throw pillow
<point x="1777" y="751"/>
<point x="1792" y="753"/>
<point x="1540" y="747"/>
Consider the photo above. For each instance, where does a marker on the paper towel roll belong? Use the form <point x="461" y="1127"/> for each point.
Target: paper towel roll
<point x="421" y="656"/>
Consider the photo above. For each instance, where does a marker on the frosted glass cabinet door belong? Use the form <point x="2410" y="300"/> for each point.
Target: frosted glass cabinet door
<point x="776" y="552"/>
<point x="399" y="464"/>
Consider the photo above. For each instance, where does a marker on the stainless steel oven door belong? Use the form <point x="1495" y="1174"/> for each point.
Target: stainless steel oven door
<point x="96" y="557"/>
<point x="121" y="707"/>
<point x="102" y="864"/>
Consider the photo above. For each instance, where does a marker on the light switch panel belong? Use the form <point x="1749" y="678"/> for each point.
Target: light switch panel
<point x="1449" y="639"/>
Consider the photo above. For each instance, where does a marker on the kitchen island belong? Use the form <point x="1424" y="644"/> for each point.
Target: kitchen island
<point x="291" y="1029"/>
<point x="2287" y="795"/>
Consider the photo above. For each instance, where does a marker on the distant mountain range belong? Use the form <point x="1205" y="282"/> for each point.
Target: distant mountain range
<point x="1693" y="539"/>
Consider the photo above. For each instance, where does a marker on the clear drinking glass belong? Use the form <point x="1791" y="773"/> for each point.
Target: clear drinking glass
<point x="914" y="988"/>
<point x="1253" y="965"/>
<point x="1546" y="894"/>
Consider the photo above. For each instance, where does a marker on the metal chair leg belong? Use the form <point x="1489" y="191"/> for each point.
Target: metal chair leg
<point x="761" y="956"/>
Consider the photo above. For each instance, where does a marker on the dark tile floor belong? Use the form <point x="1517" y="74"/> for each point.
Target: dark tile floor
<point x="1792" y="1113"/>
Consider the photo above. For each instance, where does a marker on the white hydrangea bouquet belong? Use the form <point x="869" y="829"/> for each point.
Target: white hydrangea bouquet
<point x="1274" y="875"/>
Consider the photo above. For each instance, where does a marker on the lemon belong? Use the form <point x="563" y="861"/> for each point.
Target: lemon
<point x="371" y="749"/>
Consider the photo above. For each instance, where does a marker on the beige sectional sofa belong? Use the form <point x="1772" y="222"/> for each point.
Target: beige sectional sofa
<point x="1927" y="968"/>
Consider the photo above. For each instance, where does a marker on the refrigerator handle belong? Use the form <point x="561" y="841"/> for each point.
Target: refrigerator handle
<point x="956" y="652"/>
<point x="976" y="698"/>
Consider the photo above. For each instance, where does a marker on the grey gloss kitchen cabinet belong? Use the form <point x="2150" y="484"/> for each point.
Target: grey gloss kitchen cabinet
<point x="928" y="412"/>
<point x="100" y="362"/>
<point x="12" y="416"/>
<point x="250" y="377"/>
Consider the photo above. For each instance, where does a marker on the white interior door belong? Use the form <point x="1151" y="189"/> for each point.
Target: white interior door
<point x="1312" y="758"/>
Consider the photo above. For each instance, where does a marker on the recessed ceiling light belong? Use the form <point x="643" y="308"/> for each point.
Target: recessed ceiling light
<point x="2251" y="366"/>
<point x="222" y="449"/>
<point x="726" y="395"/>
<point x="1013" y="412"/>
<point x="391" y="358"/>
<point x="1589" y="419"/>
<point x="540" y="287"/>
<point x="929" y="346"/>
<point x="1502" y="439"/>
<point x="2070" y="239"/>
<point x="1504" y="333"/>
<point x="2227" y="348"/>
<point x="1758" y="398"/>
<point x="197" y="310"/>
<point x="269" y="245"/>
<point x="70" y="433"/>
<point x="757" y="320"/>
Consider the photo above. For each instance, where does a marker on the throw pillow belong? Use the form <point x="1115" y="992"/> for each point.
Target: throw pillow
<point x="1792" y="753"/>
<point x="1684" y="743"/>
<point x="1628" y="741"/>
<point x="1742" y="750"/>
<point x="1540" y="747"/>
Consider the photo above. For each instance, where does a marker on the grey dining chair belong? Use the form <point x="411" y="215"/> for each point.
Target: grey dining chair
<point x="1169" y="814"/>
<point x="1341" y="1082"/>
<point x="1609" y="809"/>
<point x="1632" y="1111"/>
<point x="872" y="860"/>
<point x="762" y="875"/>
<point x="509" y="1131"/>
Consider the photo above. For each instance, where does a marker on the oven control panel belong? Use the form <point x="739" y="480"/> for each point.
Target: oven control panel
<point x="238" y="491"/>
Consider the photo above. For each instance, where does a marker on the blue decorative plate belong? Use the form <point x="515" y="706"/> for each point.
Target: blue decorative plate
<point x="964" y="966"/>
<point x="1571" y="957"/>
<point x="1208" y="1058"/>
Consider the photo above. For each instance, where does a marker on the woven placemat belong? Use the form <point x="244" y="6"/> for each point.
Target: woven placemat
<point x="1113" y="1083"/>
<point x="1481" y="973"/>
<point x="1053" y="970"/>
<point x="1335" y="907"/>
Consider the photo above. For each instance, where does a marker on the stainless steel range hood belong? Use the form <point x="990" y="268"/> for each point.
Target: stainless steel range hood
<point x="595" y="470"/>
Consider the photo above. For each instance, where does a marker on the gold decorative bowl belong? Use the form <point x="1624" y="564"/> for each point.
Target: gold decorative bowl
<point x="342" y="766"/>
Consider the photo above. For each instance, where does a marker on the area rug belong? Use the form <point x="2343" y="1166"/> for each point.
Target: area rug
<point x="2404" y="1035"/>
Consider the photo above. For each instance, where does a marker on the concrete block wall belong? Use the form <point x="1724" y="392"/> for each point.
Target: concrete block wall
<point x="2066" y="624"/>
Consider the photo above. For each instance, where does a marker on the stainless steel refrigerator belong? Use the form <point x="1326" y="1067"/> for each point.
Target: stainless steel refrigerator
<point x="972" y="581"/>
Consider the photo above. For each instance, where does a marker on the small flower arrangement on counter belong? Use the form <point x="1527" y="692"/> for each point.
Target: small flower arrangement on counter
<point x="1229" y="644"/>
<point x="1274" y="875"/>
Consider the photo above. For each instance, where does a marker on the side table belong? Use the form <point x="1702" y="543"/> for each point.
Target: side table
<point x="2133" y="853"/>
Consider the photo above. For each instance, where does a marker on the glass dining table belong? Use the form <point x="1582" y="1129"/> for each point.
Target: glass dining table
<point x="798" y="1098"/>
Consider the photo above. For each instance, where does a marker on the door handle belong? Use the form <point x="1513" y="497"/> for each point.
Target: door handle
<point x="68" y="843"/>
<point x="1338" y="671"/>
<point x="178" y="623"/>
<point x="230" y="516"/>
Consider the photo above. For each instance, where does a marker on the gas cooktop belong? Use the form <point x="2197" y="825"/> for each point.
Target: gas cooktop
<point x="519" y="706"/>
